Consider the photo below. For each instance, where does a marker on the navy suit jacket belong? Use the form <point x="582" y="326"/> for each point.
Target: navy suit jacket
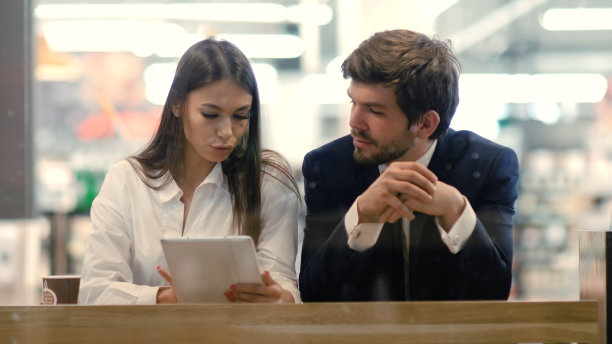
<point x="483" y="171"/>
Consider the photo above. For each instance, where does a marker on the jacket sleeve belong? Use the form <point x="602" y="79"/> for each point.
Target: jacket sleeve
<point x="327" y="264"/>
<point x="485" y="269"/>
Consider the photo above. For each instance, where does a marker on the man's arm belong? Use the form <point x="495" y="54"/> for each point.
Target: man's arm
<point x="482" y="269"/>
<point x="327" y="264"/>
<point x="487" y="254"/>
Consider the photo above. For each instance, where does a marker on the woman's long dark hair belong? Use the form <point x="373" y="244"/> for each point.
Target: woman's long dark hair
<point x="205" y="62"/>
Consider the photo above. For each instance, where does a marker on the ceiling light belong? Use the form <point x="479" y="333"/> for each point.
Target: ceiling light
<point x="227" y="12"/>
<point x="577" y="19"/>
<point x="314" y="14"/>
<point x="139" y="37"/>
<point x="239" y="12"/>
<point x="534" y="88"/>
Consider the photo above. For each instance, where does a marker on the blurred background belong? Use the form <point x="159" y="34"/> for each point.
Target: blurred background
<point x="84" y="82"/>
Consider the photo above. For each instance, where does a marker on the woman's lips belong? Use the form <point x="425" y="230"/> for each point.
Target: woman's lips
<point x="222" y="149"/>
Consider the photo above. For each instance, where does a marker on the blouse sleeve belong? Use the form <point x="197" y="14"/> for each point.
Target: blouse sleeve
<point x="107" y="276"/>
<point x="277" y="246"/>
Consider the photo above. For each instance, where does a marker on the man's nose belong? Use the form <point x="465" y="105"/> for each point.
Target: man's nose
<point x="357" y="118"/>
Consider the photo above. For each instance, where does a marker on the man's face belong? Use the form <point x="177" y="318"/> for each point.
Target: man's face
<point x="379" y="127"/>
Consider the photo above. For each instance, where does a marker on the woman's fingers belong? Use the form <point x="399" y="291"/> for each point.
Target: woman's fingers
<point x="164" y="274"/>
<point x="270" y="291"/>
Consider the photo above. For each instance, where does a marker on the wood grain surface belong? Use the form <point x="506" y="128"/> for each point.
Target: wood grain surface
<point x="376" y="322"/>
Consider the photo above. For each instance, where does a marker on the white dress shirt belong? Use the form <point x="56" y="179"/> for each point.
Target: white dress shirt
<point x="363" y="236"/>
<point x="129" y="219"/>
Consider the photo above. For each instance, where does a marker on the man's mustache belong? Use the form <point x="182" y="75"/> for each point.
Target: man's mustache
<point x="361" y="135"/>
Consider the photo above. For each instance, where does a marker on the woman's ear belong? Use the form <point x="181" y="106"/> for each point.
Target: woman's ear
<point x="175" y="110"/>
<point x="428" y="123"/>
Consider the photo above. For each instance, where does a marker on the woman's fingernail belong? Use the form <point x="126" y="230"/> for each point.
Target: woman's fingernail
<point x="267" y="272"/>
<point x="232" y="287"/>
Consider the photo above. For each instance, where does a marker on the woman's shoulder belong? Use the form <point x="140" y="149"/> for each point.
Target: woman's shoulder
<point x="123" y="168"/>
<point x="277" y="172"/>
<point x="274" y="165"/>
<point x="127" y="171"/>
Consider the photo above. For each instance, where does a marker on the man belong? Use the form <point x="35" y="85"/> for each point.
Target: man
<point x="405" y="208"/>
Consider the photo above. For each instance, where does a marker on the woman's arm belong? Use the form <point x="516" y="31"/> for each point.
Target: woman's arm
<point x="277" y="247"/>
<point x="107" y="276"/>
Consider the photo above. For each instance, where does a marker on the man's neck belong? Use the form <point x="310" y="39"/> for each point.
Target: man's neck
<point x="415" y="153"/>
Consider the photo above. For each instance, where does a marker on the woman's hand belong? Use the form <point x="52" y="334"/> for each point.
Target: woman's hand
<point x="166" y="294"/>
<point x="270" y="292"/>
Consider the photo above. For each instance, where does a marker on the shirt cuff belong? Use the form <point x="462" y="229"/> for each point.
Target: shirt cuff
<point x="360" y="236"/>
<point x="460" y="232"/>
<point x="148" y="295"/>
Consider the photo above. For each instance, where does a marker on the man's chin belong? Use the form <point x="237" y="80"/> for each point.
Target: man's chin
<point x="363" y="159"/>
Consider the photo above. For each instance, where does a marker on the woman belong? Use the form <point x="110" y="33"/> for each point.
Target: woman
<point x="203" y="174"/>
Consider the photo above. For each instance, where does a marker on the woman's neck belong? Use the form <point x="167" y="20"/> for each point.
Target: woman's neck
<point x="193" y="173"/>
<point x="194" y="170"/>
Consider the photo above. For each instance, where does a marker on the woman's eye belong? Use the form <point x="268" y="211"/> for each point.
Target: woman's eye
<point x="209" y="115"/>
<point x="241" y="116"/>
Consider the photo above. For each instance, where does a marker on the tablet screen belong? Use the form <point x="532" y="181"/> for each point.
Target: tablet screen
<point x="202" y="269"/>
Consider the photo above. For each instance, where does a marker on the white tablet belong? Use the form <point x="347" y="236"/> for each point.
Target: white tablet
<point x="202" y="269"/>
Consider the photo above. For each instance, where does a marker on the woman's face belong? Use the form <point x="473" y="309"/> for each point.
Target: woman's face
<point x="215" y="118"/>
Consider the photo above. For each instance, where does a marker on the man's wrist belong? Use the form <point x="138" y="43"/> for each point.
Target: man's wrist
<point x="360" y="217"/>
<point x="448" y="219"/>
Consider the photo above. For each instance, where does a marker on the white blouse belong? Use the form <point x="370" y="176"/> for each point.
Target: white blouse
<point x="129" y="219"/>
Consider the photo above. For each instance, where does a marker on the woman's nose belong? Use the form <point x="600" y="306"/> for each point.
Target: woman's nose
<point x="224" y="128"/>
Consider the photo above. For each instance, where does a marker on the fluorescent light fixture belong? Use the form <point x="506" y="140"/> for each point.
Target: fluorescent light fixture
<point x="314" y="14"/>
<point x="141" y="38"/>
<point x="577" y="19"/>
<point x="267" y="46"/>
<point x="534" y="88"/>
<point x="239" y="12"/>
<point x="144" y="38"/>
<point x="222" y="11"/>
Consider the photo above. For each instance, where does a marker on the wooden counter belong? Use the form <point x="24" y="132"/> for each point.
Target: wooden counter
<point x="406" y="322"/>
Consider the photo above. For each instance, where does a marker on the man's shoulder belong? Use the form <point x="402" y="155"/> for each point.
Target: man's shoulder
<point x="341" y="148"/>
<point x="335" y="157"/>
<point x="465" y="140"/>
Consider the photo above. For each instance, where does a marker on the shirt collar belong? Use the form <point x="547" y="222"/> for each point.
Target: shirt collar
<point x="173" y="192"/>
<point x="424" y="160"/>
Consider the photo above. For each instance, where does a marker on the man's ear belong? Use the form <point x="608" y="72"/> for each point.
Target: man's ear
<point x="428" y="123"/>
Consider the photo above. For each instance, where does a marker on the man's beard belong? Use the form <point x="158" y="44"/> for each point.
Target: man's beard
<point x="384" y="153"/>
